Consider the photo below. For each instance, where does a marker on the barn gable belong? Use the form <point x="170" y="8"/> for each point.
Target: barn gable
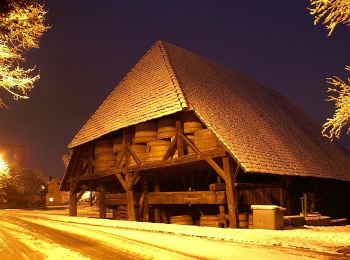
<point x="150" y="90"/>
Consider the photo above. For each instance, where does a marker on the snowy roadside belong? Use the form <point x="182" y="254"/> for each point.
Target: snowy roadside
<point x="318" y="239"/>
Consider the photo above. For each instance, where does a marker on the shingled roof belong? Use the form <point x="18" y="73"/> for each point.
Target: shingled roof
<point x="264" y="131"/>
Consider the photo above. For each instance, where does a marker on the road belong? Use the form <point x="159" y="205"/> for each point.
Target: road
<point x="28" y="235"/>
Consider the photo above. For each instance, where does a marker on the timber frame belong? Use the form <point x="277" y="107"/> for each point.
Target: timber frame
<point x="128" y="176"/>
<point x="274" y="174"/>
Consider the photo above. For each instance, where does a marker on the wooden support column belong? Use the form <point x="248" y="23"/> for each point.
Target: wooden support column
<point x="180" y="143"/>
<point x="102" y="201"/>
<point x="126" y="143"/>
<point x="145" y="215"/>
<point x="130" y="196"/>
<point x="114" y="213"/>
<point x="164" y="216"/>
<point x="84" y="188"/>
<point x="73" y="199"/>
<point x="288" y="184"/>
<point x="231" y="191"/>
<point x="221" y="207"/>
<point x="156" y="209"/>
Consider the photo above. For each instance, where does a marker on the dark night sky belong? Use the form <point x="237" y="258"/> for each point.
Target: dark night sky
<point x="93" y="44"/>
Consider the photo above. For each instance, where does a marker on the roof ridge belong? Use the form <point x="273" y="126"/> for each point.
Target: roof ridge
<point x="172" y="75"/>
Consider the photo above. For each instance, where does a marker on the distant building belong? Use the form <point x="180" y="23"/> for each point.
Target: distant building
<point x="54" y="196"/>
<point x="13" y="154"/>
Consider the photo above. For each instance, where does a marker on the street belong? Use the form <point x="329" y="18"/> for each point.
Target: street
<point x="40" y="235"/>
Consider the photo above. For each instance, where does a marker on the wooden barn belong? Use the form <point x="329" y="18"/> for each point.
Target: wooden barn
<point x="183" y="139"/>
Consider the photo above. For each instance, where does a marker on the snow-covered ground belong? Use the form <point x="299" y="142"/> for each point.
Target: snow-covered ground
<point x="162" y="241"/>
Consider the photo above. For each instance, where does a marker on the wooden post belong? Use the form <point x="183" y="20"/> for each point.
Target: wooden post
<point x="114" y="213"/>
<point x="180" y="143"/>
<point x="288" y="184"/>
<point x="156" y="209"/>
<point x="231" y="191"/>
<point x="73" y="199"/>
<point x="164" y="216"/>
<point x="145" y="215"/>
<point x="126" y="144"/>
<point x="102" y="201"/>
<point x="130" y="197"/>
<point x="221" y="207"/>
<point x="84" y="188"/>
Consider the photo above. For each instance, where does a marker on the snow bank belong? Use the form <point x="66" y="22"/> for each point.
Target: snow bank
<point x="320" y="239"/>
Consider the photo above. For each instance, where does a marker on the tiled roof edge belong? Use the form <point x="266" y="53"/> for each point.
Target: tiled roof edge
<point x="71" y="144"/>
<point x="178" y="90"/>
<point x="243" y="167"/>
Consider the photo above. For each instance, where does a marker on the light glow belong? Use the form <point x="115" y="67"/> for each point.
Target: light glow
<point x="4" y="167"/>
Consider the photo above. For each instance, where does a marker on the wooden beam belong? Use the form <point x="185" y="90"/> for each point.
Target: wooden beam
<point x="81" y="193"/>
<point x="133" y="179"/>
<point x="137" y="179"/>
<point x="133" y="155"/>
<point x="141" y="200"/>
<point x="186" y="198"/>
<point x="102" y="201"/>
<point x="231" y="191"/>
<point x="189" y="143"/>
<point x="85" y="167"/>
<point x="72" y="199"/>
<point x="130" y="197"/>
<point x="216" y="168"/>
<point x="120" y="159"/>
<point x="179" y="143"/>
<point x="130" y="203"/>
<point x="221" y="207"/>
<point x="97" y="175"/>
<point x="222" y="214"/>
<point x="164" y="216"/>
<point x="156" y="209"/>
<point x="288" y="204"/>
<point x="114" y="213"/>
<point x="75" y="163"/>
<point x="143" y="205"/>
<point x="171" y="149"/>
<point x="121" y="180"/>
<point x="220" y="152"/>
<point x="248" y="186"/>
<point x="119" y="199"/>
<point x="127" y="136"/>
<point x="174" y="198"/>
<point x="93" y="165"/>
